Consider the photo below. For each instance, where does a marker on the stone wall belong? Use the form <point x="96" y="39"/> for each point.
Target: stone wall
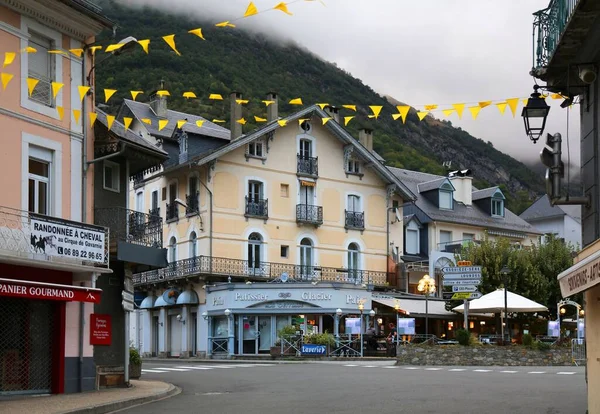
<point x="482" y="355"/>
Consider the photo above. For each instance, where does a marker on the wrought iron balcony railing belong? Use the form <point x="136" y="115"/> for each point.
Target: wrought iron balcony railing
<point x="257" y="208"/>
<point x="172" y="212"/>
<point x="309" y="214"/>
<point x="548" y="27"/>
<point x="308" y="166"/>
<point x="218" y="266"/>
<point x="355" y="220"/>
<point x="154" y="214"/>
<point x="131" y="226"/>
<point x="193" y="203"/>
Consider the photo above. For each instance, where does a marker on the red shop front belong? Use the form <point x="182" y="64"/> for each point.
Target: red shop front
<point x="32" y="333"/>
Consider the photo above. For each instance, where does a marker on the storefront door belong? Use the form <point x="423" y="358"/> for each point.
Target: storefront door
<point x="265" y="334"/>
<point x="249" y="334"/>
<point x="175" y="337"/>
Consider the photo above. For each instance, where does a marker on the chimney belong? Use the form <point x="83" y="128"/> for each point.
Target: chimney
<point x="272" y="109"/>
<point x="333" y="112"/>
<point x="158" y="103"/>
<point x="236" y="115"/>
<point x="365" y="137"/>
<point x="462" y="180"/>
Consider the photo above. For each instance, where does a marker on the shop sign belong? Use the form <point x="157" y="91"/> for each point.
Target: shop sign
<point x="54" y="237"/>
<point x="218" y="301"/>
<point x="170" y="296"/>
<point x="316" y="296"/>
<point x="311" y="349"/>
<point x="581" y="276"/>
<point x="48" y="291"/>
<point x="251" y="297"/>
<point x="282" y="304"/>
<point x="354" y="300"/>
<point x="100" y="329"/>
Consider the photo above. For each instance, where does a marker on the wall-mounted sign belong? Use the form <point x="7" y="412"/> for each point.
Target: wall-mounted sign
<point x="580" y="276"/>
<point x="100" y="329"/>
<point x="251" y="297"/>
<point x="311" y="349"/>
<point x="170" y="296"/>
<point x="48" y="291"/>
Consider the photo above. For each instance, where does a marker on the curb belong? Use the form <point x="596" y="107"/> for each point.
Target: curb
<point x="127" y="403"/>
<point x="306" y="360"/>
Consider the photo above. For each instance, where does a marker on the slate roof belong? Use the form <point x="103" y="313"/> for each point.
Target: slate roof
<point x="431" y="185"/>
<point x="541" y="210"/>
<point x="470" y="215"/>
<point x="485" y="193"/>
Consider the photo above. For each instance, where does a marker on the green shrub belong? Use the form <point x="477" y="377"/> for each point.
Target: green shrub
<point x="527" y="340"/>
<point x="287" y="332"/>
<point x="320" y="339"/>
<point x="543" y="346"/>
<point x="134" y="357"/>
<point x="463" y="337"/>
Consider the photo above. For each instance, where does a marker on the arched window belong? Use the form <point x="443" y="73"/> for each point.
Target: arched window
<point x="193" y="245"/>
<point x="306" y="257"/>
<point x="254" y="251"/>
<point x="353" y="259"/>
<point x="172" y="250"/>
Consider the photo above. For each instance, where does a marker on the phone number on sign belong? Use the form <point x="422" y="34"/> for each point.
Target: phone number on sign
<point x="82" y="254"/>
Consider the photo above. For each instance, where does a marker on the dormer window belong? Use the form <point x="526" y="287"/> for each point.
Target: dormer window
<point x="446" y="200"/>
<point x="412" y="238"/>
<point x="256" y="149"/>
<point x="498" y="206"/>
<point x="353" y="166"/>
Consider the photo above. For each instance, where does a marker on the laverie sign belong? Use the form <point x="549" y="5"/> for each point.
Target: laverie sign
<point x="310" y="349"/>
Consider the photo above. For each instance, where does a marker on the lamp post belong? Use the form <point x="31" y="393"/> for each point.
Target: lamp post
<point x="535" y="114"/>
<point x="427" y="286"/>
<point x="397" y="309"/>
<point x="361" y="308"/>
<point x="505" y="271"/>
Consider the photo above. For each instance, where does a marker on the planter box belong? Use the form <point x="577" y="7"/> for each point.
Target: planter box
<point x="135" y="371"/>
<point x="275" y="350"/>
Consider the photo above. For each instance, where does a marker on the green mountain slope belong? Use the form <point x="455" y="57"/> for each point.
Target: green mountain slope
<point x="234" y="60"/>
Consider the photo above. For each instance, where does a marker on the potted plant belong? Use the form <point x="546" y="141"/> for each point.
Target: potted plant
<point x="135" y="364"/>
<point x="275" y="350"/>
<point x="286" y="333"/>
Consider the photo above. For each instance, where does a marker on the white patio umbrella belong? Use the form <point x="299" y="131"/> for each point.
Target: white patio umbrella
<point x="493" y="302"/>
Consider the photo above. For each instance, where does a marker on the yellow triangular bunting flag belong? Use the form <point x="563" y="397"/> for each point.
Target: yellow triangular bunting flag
<point x="58" y="52"/>
<point x="422" y="114"/>
<point x="76" y="52"/>
<point x="267" y="103"/>
<point x="93" y="117"/>
<point x="5" y="77"/>
<point x="162" y="123"/>
<point x="134" y="94"/>
<point x="189" y="95"/>
<point x="127" y="122"/>
<point x="483" y="104"/>
<point x="403" y="110"/>
<point x="225" y="24"/>
<point x="241" y="101"/>
<point x="430" y="107"/>
<point x="241" y="121"/>
<point x="376" y="110"/>
<point x="448" y="112"/>
<point x="9" y="58"/>
<point x="31" y="84"/>
<point x="259" y="119"/>
<point x="283" y="7"/>
<point x="525" y="101"/>
<point x="296" y="101"/>
<point x="512" y="104"/>
<point x="199" y="123"/>
<point x="56" y="87"/>
<point x="110" y="119"/>
<point x="350" y="107"/>
<point x="460" y="107"/>
<point x="144" y="44"/>
<point x="197" y="32"/>
<point x="501" y="107"/>
<point x="396" y="116"/>
<point x="30" y="49"/>
<point x="282" y="122"/>
<point x="218" y="121"/>
<point x="108" y="93"/>
<point x="322" y="105"/>
<point x="61" y="112"/>
<point x="76" y="115"/>
<point x="301" y="120"/>
<point x="215" y="96"/>
<point x="347" y="120"/>
<point x="163" y="93"/>
<point x="93" y="49"/>
<point x="170" y="40"/>
<point x="146" y="121"/>
<point x="251" y="10"/>
<point x="181" y="123"/>
<point x="325" y="120"/>
<point x="475" y="111"/>
<point x="113" y="47"/>
<point x="83" y="90"/>
<point x="557" y="96"/>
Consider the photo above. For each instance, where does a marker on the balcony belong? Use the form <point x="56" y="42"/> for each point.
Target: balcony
<point x="42" y="241"/>
<point x="355" y="220"/>
<point x="308" y="166"/>
<point x="455" y="246"/>
<point x="548" y="28"/>
<point x="257" y="208"/>
<point x="307" y="214"/>
<point x="154" y="214"/>
<point x="172" y="212"/>
<point x="193" y="204"/>
<point x="218" y="266"/>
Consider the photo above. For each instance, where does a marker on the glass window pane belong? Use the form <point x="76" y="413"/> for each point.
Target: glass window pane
<point x="108" y="180"/>
<point x="38" y="168"/>
<point x="412" y="241"/>
<point x="42" y="197"/>
<point x="32" y="195"/>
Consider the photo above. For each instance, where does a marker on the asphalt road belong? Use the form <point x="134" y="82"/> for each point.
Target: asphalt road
<point x="360" y="387"/>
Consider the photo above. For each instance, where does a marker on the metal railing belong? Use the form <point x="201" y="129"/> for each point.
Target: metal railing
<point x="454" y="246"/>
<point x="347" y="345"/>
<point x="309" y="214"/>
<point x="548" y="26"/>
<point x="193" y="203"/>
<point x="257" y="207"/>
<point x="131" y="226"/>
<point x="219" y="345"/>
<point x="308" y="166"/>
<point x="219" y="266"/>
<point x="578" y="351"/>
<point x="154" y="214"/>
<point x="172" y="212"/>
<point x="355" y="220"/>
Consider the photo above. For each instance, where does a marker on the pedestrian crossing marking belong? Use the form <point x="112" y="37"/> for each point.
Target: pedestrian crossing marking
<point x="565" y="373"/>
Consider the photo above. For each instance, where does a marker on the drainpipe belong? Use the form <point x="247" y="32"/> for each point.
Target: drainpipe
<point x="84" y="142"/>
<point x="113" y="155"/>
<point x="210" y="228"/>
<point x="81" y="332"/>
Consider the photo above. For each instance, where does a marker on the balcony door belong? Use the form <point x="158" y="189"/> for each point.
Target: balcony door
<point x="256" y="205"/>
<point x="307" y="194"/>
<point x="306" y="258"/>
<point x="353" y="203"/>
<point x="254" y="252"/>
<point x="305" y="149"/>
<point x="353" y="261"/>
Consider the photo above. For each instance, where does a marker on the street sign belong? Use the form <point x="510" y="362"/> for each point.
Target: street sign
<point x="457" y="282"/>
<point x="447" y="295"/>
<point x="459" y="276"/>
<point x="127" y="306"/>
<point x="466" y="295"/>
<point x="127" y="296"/>
<point x="464" y="288"/>
<point x="461" y="269"/>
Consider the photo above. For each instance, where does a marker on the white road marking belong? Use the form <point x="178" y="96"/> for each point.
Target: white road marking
<point x="411" y="368"/>
<point x="482" y="370"/>
<point x="565" y="373"/>
<point x="433" y="369"/>
<point x="537" y="372"/>
<point x="174" y="369"/>
<point x="350" y="365"/>
<point x="368" y="366"/>
<point x="457" y="369"/>
<point x="153" y="371"/>
<point x="194" y="367"/>
<point x="390" y="367"/>
<point x="509" y="372"/>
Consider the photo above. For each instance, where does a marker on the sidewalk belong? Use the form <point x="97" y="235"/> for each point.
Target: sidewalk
<point x="269" y="360"/>
<point x="93" y="402"/>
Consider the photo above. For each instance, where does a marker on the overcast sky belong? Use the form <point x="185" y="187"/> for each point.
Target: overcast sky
<point x="420" y="52"/>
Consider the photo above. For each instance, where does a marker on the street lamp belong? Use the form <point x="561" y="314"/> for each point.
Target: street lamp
<point x="535" y="114"/>
<point x="397" y="309"/>
<point x="505" y="271"/>
<point x="427" y="286"/>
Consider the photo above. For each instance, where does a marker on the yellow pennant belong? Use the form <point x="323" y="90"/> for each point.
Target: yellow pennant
<point x="430" y="107"/>
<point x="225" y="24"/>
<point x="422" y="114"/>
<point x="197" y="32"/>
<point x="459" y="107"/>
<point x="76" y="52"/>
<point x="301" y="120"/>
<point x="512" y="104"/>
<point x="501" y="107"/>
<point x="93" y="117"/>
<point x="376" y="110"/>
<point x="525" y="101"/>
<point x="325" y="120"/>
<point x="146" y="121"/>
<point x="282" y="122"/>
<point x="241" y="101"/>
<point x="83" y="90"/>
<point x="189" y="95"/>
<point x="127" y="122"/>
<point x="483" y="104"/>
<point x="170" y="40"/>
<point x="347" y="120"/>
<point x="283" y="7"/>
<point x="108" y="93"/>
<point x="56" y="87"/>
<point x="259" y="119"/>
<point x="396" y="116"/>
<point x="474" y="111"/>
<point x="557" y="96"/>
<point x="30" y="49"/>
<point x="322" y="105"/>
<point x="58" y="52"/>
<point x="267" y="103"/>
<point x="251" y="10"/>
<point x="162" y="123"/>
<point x="113" y="47"/>
<point x="199" y="123"/>
<point x="218" y="121"/>
<point x="144" y="44"/>
<point x="9" y="57"/>
<point x="110" y="119"/>
<point x="134" y="94"/>
<point x="350" y="107"/>
<point x="93" y="49"/>
<point x="297" y="101"/>
<point x="181" y="123"/>
<point x="215" y="97"/>
<point x="31" y="84"/>
<point x="241" y="121"/>
<point x="163" y="93"/>
<point x="403" y="111"/>
<point x="5" y="78"/>
<point x="61" y="112"/>
<point x="448" y="112"/>
<point x="76" y="115"/>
